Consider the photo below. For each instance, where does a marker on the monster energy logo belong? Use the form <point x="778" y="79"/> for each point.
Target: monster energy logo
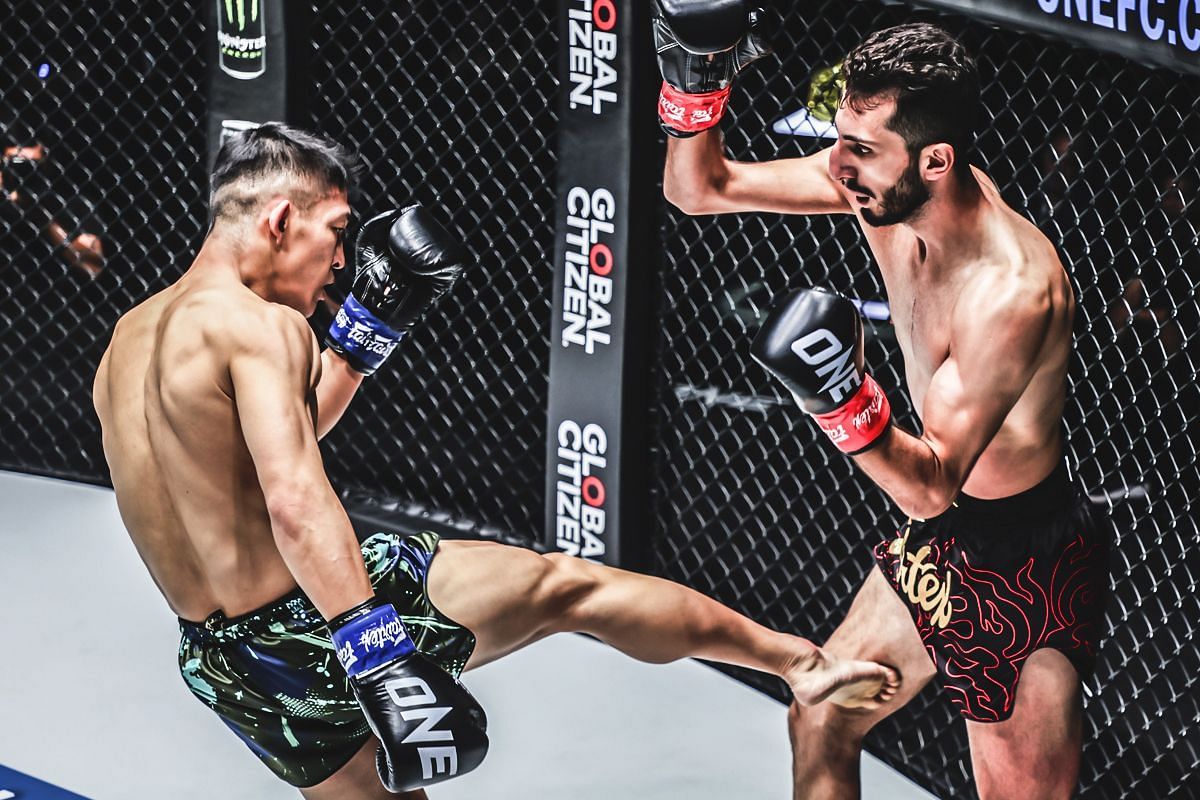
<point x="241" y="38"/>
<point x="240" y="7"/>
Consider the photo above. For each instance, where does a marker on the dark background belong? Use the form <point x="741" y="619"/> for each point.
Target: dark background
<point x="454" y="105"/>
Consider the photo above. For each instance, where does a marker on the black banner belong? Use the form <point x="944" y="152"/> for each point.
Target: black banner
<point x="256" y="72"/>
<point x="596" y="448"/>
<point x="1153" y="32"/>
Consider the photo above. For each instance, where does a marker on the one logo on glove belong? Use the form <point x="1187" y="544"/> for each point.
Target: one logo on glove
<point x="416" y="697"/>
<point x="834" y="362"/>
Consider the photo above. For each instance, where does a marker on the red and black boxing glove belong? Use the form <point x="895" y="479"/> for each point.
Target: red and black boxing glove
<point x="702" y="45"/>
<point x="812" y="341"/>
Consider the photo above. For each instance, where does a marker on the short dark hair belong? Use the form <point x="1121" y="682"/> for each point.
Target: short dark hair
<point x="933" y="79"/>
<point x="274" y="156"/>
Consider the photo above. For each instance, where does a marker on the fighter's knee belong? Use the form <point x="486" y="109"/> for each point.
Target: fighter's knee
<point x="1020" y="772"/>
<point x="567" y="585"/>
<point x="797" y="720"/>
<point x="1033" y="781"/>
<point x="811" y="719"/>
<point x="826" y="731"/>
<point x="830" y="722"/>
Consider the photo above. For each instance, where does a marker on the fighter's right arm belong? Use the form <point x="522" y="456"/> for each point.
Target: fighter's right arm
<point x="273" y="374"/>
<point x="699" y="179"/>
<point x="702" y="45"/>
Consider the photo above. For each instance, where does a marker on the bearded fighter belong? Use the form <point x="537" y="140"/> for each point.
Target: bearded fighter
<point x="996" y="582"/>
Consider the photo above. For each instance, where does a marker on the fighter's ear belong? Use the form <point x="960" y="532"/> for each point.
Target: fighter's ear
<point x="277" y="219"/>
<point x="937" y="160"/>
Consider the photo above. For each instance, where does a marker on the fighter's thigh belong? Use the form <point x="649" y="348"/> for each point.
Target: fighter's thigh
<point x="357" y="780"/>
<point x="507" y="596"/>
<point x="1034" y="754"/>
<point x="879" y="628"/>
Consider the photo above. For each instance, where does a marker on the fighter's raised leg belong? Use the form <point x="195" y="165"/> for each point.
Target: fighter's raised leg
<point x="509" y="597"/>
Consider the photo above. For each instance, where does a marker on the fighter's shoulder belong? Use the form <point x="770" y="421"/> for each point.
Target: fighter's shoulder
<point x="143" y="315"/>
<point x="1022" y="283"/>
<point x="242" y="322"/>
<point x="1022" y="264"/>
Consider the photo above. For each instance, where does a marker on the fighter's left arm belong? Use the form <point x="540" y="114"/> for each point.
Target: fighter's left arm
<point x="997" y="334"/>
<point x="338" y="384"/>
<point x="407" y="260"/>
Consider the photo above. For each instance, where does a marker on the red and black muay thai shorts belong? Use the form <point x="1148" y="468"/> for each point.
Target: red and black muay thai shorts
<point x="988" y="582"/>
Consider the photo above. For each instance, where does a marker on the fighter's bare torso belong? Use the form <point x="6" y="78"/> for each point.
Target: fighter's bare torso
<point x="981" y="304"/>
<point x="185" y="483"/>
<point x="933" y="298"/>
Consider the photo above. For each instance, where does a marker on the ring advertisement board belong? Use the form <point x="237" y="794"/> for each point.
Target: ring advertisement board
<point x="599" y="312"/>
<point x="257" y="73"/>
<point x="1163" y="33"/>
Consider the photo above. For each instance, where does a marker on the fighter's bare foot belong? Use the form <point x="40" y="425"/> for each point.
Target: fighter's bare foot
<point x="820" y="676"/>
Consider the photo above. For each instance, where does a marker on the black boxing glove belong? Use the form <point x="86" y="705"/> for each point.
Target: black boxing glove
<point x="701" y="46"/>
<point x="429" y="726"/>
<point x="403" y="262"/>
<point x="812" y="341"/>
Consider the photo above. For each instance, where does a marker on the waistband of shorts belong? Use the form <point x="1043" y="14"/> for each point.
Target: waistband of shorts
<point x="293" y="608"/>
<point x="1053" y="493"/>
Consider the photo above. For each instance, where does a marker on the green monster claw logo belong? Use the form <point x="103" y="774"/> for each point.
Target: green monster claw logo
<point x="240" y="6"/>
<point x="825" y="92"/>
<point x="241" y="38"/>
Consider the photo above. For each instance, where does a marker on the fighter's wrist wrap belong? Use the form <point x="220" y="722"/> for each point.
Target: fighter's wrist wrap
<point x="369" y="636"/>
<point x="688" y="114"/>
<point x="361" y="337"/>
<point x="859" y="424"/>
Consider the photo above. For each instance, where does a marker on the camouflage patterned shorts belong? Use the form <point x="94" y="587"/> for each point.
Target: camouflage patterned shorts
<point x="272" y="677"/>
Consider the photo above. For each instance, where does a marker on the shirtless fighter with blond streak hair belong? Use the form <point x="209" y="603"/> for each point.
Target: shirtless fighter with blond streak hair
<point x="996" y="583"/>
<point x="335" y="662"/>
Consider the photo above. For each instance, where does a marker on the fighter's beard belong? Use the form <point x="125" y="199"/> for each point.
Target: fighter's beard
<point x="902" y="200"/>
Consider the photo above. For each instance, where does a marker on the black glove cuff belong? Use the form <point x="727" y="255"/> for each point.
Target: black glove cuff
<point x="677" y="134"/>
<point x="878" y="440"/>
<point x="360" y="610"/>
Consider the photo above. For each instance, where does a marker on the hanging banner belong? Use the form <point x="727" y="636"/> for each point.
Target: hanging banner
<point x="256" y="58"/>
<point x="1162" y="33"/>
<point x="596" y="448"/>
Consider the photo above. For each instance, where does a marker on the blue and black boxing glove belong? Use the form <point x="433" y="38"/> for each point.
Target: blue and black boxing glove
<point x="429" y="726"/>
<point x="403" y="262"/>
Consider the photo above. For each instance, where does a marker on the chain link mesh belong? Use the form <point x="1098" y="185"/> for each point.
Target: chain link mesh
<point x="453" y="106"/>
<point x="120" y="122"/>
<point x="752" y="508"/>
